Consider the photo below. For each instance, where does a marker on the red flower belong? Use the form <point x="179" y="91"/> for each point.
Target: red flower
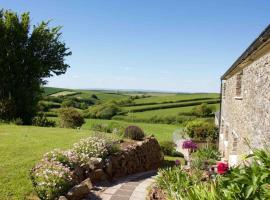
<point x="222" y="167"/>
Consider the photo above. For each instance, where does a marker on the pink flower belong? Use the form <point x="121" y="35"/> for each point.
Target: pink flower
<point x="188" y="144"/>
<point x="177" y="162"/>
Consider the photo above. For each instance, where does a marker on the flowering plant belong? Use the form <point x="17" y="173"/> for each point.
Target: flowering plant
<point x="222" y="167"/>
<point x="188" y="144"/>
<point x="67" y="158"/>
<point x="91" y="147"/>
<point x="51" y="179"/>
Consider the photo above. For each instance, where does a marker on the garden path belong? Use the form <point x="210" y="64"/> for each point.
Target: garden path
<point x="133" y="187"/>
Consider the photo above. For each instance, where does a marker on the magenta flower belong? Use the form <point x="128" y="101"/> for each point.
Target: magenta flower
<point x="177" y="162"/>
<point x="188" y="144"/>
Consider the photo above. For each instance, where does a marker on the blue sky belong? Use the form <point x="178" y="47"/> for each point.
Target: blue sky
<point x="168" y="45"/>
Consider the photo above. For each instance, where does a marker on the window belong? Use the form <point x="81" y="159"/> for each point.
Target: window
<point x="235" y="144"/>
<point x="239" y="84"/>
<point x="224" y="90"/>
<point x="227" y="133"/>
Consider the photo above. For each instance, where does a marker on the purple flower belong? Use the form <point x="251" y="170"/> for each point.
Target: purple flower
<point x="188" y="144"/>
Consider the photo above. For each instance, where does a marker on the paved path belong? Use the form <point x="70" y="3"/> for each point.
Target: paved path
<point x="134" y="187"/>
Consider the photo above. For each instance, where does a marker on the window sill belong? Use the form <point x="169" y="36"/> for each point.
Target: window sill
<point x="238" y="98"/>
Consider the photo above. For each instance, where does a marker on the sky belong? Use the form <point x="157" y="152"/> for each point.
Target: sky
<point x="162" y="45"/>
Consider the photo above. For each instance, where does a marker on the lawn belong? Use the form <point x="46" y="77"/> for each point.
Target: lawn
<point x="160" y="131"/>
<point x="21" y="147"/>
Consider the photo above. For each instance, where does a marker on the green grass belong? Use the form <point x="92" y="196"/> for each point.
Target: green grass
<point x="176" y="97"/>
<point x="51" y="90"/>
<point x="163" y="112"/>
<point x="21" y="147"/>
<point x="160" y="106"/>
<point x="161" y="131"/>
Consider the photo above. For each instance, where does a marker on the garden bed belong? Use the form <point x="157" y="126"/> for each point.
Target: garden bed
<point x="72" y="173"/>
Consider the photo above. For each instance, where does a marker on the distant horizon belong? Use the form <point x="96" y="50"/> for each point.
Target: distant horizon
<point x="154" y="45"/>
<point x="132" y="90"/>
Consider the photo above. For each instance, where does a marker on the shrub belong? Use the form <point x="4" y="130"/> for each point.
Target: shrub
<point x="51" y="179"/>
<point x="70" y="118"/>
<point x="91" y="147"/>
<point x="134" y="133"/>
<point x="68" y="103"/>
<point x="250" y="181"/>
<point x="43" y="121"/>
<point x="94" y="96"/>
<point x="17" y="121"/>
<point x="67" y="158"/>
<point x="103" y="111"/>
<point x="203" y="110"/>
<point x="201" y="130"/>
<point x="167" y="147"/>
<point x="205" y="156"/>
<point x="112" y="127"/>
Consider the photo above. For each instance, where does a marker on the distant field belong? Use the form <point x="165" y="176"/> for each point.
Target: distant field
<point x="63" y="93"/>
<point x="21" y="147"/>
<point x="160" y="106"/>
<point x="51" y="90"/>
<point x="175" y="97"/>
<point x="102" y="96"/>
<point x="162" y="113"/>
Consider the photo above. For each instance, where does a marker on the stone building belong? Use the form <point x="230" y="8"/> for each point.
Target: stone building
<point x="245" y="105"/>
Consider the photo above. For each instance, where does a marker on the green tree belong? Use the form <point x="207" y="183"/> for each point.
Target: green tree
<point x="27" y="57"/>
<point x="203" y="110"/>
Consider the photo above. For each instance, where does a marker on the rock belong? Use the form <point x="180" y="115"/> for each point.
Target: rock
<point x="98" y="175"/>
<point x="95" y="163"/>
<point x="108" y="168"/>
<point x="80" y="191"/>
<point x="62" y="198"/>
<point x="78" y="174"/>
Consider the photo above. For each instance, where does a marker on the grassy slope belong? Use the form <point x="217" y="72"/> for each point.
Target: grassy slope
<point x="164" y="112"/>
<point x="161" y="131"/>
<point x="167" y="98"/>
<point x="51" y="90"/>
<point x="23" y="146"/>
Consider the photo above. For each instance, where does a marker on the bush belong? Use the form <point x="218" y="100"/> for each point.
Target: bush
<point x="91" y="147"/>
<point x="51" y="179"/>
<point x="67" y="158"/>
<point x="201" y="130"/>
<point x="70" y="118"/>
<point x="134" y="133"/>
<point x="17" y="121"/>
<point x="250" y="181"/>
<point x="203" y="110"/>
<point x="94" y="96"/>
<point x="43" y="121"/>
<point x="103" y="111"/>
<point x="205" y="156"/>
<point x="112" y="127"/>
<point x="167" y="147"/>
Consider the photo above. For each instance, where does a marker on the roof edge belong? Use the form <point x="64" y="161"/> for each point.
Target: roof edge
<point x="263" y="37"/>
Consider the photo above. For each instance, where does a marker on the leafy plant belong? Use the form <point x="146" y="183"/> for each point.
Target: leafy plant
<point x="203" y="110"/>
<point x="103" y="111"/>
<point x="70" y="118"/>
<point x="51" y="179"/>
<point x="251" y="181"/>
<point x="91" y="147"/>
<point x="201" y="129"/>
<point x="43" y="121"/>
<point x="134" y="133"/>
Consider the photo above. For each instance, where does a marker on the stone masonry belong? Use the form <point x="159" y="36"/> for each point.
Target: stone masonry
<point x="245" y="115"/>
